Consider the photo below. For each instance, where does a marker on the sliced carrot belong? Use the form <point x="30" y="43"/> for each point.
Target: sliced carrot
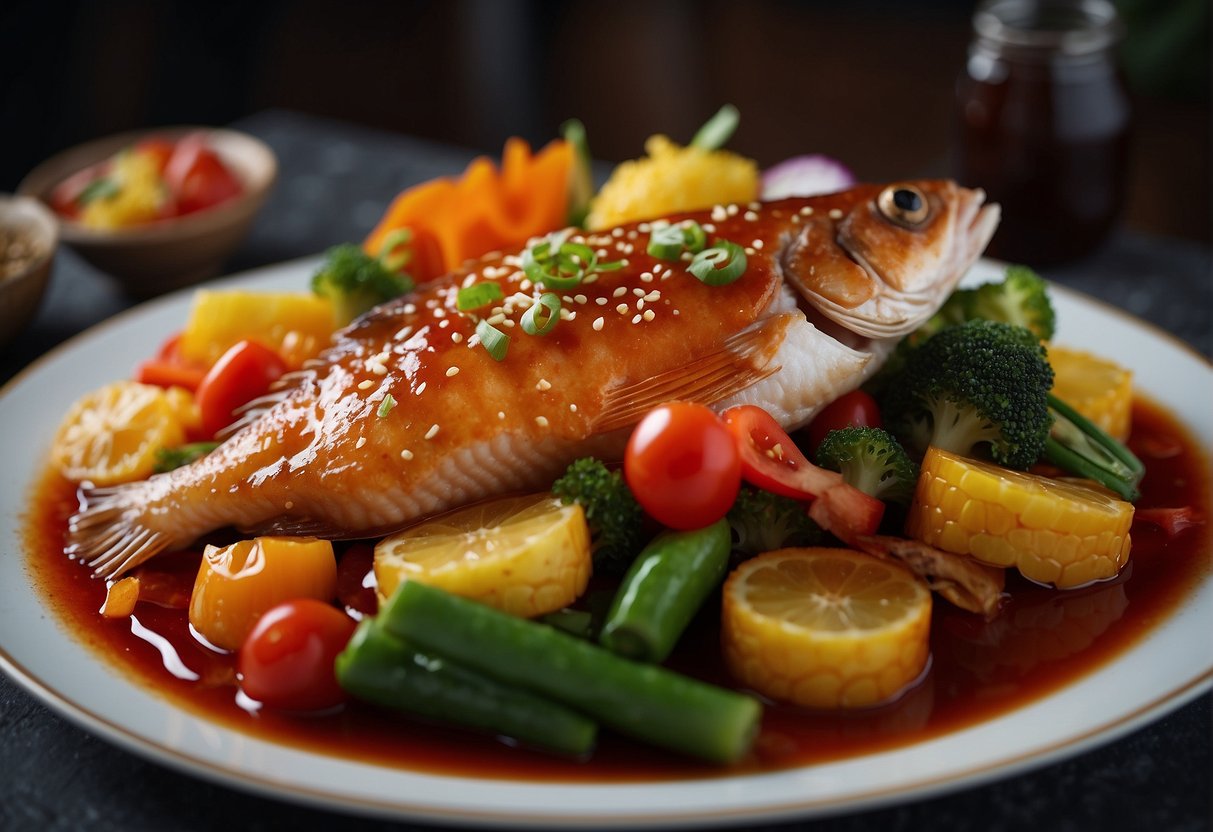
<point x="167" y="373"/>
<point x="485" y="210"/>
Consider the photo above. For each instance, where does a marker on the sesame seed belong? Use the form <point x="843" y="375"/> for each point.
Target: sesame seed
<point x="361" y="441"/>
<point x="640" y="304"/>
<point x="750" y="251"/>
<point x="598" y="324"/>
<point x="495" y="320"/>
<point x="403" y="333"/>
<point x="750" y="216"/>
<point x="593" y="277"/>
<point x="500" y="414"/>
<point x="835" y="214"/>
<point x="377" y="369"/>
<point x="410" y="308"/>
<point x="366" y="385"/>
<point x="456" y="337"/>
<point x="572" y="408"/>
<point x="406" y="454"/>
<point x="638" y="292"/>
<point x="648" y="315"/>
<point x="806" y="211"/>
<point x="622" y="309"/>
<point x="646" y="277"/>
<point x="543" y="384"/>
<point x="432" y="432"/>
<point x="619" y="292"/>
<point x="542" y="421"/>
<point x="525" y="285"/>
<point x="757" y="244"/>
<point x="708" y="227"/>
<point x="580" y="299"/>
<point x="421" y="387"/>
<point x="439" y="312"/>
<point x="508" y="323"/>
<point x="676" y="312"/>
<point x="653" y="296"/>
<point x="616" y="232"/>
<point x="632" y="235"/>
<point x="719" y="214"/>
<point x="644" y="227"/>
<point x="601" y="301"/>
<point x="635" y="319"/>
<point x="731" y="210"/>
<point x="452" y="371"/>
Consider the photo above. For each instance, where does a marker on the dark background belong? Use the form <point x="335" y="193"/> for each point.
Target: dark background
<point x="869" y="82"/>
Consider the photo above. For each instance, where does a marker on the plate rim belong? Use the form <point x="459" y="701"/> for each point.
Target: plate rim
<point x="194" y="765"/>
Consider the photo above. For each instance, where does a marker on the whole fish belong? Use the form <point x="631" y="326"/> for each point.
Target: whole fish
<point x="407" y="413"/>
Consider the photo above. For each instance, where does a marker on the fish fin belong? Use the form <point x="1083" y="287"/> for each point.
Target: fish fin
<point x="744" y="359"/>
<point x="292" y="526"/>
<point x="108" y="533"/>
<point x="282" y="389"/>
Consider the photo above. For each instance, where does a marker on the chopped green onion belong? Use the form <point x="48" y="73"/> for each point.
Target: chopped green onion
<point x="707" y="264"/>
<point x="385" y="406"/>
<point x="581" y="177"/>
<point x="103" y="188"/>
<point x="477" y="295"/>
<point x="554" y="263"/>
<point x="666" y="242"/>
<point x="718" y="129"/>
<point x="169" y="458"/>
<point x="493" y="339"/>
<point x="395" y="253"/>
<point x="693" y="236"/>
<point x="551" y="303"/>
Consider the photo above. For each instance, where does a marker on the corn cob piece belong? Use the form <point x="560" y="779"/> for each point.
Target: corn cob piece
<point x="1055" y="532"/>
<point x="1095" y="387"/>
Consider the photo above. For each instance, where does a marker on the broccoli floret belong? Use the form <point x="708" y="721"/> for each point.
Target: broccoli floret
<point x="353" y="281"/>
<point x="764" y="522"/>
<point x="615" y="519"/>
<point x="979" y="383"/>
<point x="871" y="460"/>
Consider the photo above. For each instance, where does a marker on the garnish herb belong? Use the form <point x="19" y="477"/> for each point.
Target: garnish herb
<point x="395" y="253"/>
<point x="493" y="339"/>
<point x="103" y="188"/>
<point x="385" y="406"/>
<point x="169" y="458"/>
<point x="477" y="295"/>
<point x="719" y="265"/>
<point x="546" y="304"/>
<point x="555" y="263"/>
<point x="718" y="129"/>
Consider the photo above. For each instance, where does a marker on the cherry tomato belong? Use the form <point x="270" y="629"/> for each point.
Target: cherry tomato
<point x="771" y="461"/>
<point x="197" y="176"/>
<point x="682" y="465"/>
<point x="287" y="659"/>
<point x="241" y="374"/>
<point x="854" y="409"/>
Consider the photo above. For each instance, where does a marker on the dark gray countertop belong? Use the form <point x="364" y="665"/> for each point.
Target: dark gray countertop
<point x="335" y="181"/>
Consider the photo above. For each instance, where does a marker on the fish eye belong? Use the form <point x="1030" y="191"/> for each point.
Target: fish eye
<point x="904" y="205"/>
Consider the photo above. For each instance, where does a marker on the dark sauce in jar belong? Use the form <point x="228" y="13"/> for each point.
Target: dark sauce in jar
<point x="1043" y="120"/>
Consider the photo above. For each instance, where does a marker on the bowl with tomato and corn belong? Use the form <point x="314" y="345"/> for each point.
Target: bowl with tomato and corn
<point x="156" y="209"/>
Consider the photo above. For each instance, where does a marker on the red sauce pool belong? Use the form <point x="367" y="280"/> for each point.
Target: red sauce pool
<point x="1043" y="640"/>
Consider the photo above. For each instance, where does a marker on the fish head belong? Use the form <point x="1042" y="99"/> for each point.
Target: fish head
<point x="880" y="260"/>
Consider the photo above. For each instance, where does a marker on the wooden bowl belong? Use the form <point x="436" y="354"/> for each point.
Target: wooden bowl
<point x="157" y="257"/>
<point x="21" y="290"/>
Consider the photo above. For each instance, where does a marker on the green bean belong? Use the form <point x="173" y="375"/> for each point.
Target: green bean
<point x="380" y="668"/>
<point x="664" y="588"/>
<point x="646" y="702"/>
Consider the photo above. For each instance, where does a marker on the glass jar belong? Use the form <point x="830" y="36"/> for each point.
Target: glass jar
<point x="1044" y="122"/>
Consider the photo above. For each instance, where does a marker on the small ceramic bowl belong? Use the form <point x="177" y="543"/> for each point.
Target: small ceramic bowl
<point x="28" y="236"/>
<point x="168" y="254"/>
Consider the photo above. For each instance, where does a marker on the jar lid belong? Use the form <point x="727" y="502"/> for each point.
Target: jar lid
<point x="1069" y="27"/>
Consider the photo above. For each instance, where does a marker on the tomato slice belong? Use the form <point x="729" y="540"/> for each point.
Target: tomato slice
<point x="771" y="461"/>
<point x="241" y="374"/>
<point x="197" y="177"/>
<point x="682" y="464"/>
<point x="158" y="150"/>
<point x="854" y="409"/>
<point x="287" y="659"/>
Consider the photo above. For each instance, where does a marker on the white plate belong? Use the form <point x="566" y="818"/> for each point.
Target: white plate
<point x="1171" y="666"/>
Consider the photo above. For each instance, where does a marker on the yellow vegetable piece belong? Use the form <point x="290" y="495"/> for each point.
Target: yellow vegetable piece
<point x="138" y="197"/>
<point x="523" y="555"/>
<point x="296" y="324"/>
<point x="673" y="179"/>
<point x="120" y="598"/>
<point x="1058" y="532"/>
<point x="111" y="435"/>
<point x="1095" y="387"/>
<point x="825" y="628"/>
<point x="237" y="584"/>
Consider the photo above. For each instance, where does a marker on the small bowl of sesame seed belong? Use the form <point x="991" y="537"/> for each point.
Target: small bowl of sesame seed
<point x="29" y="234"/>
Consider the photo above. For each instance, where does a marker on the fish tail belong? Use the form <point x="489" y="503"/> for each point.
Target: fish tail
<point x="113" y="532"/>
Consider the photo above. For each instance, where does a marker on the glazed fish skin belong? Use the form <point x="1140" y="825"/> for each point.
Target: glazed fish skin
<point x="331" y="455"/>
